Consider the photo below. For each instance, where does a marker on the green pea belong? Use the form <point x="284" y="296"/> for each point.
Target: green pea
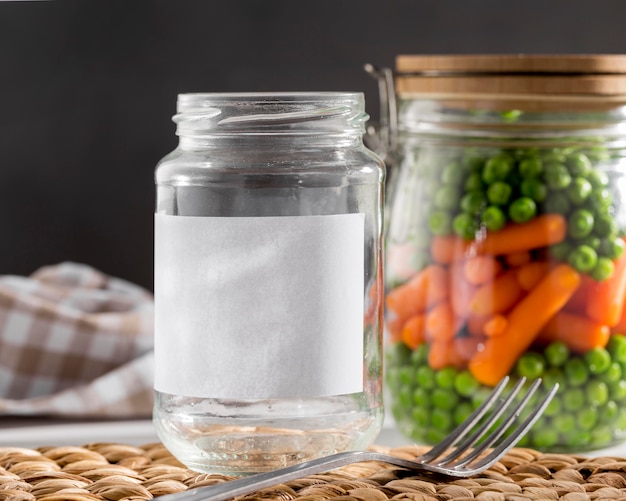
<point x="556" y="353"/>
<point x="465" y="383"/>
<point x="461" y="412"/>
<point x="441" y="419"/>
<point x="544" y="437"/>
<point x="499" y="193"/>
<point x="530" y="167"/>
<point x="420" y="416"/>
<point x="465" y="226"/>
<point x="552" y="376"/>
<point x="497" y="168"/>
<point x="598" y="360"/>
<point x="609" y="412"/>
<point x="444" y="399"/>
<point x="522" y="209"/>
<point x="446" y="198"/>
<point x="617" y="348"/>
<point x="597" y="393"/>
<point x="620" y="422"/>
<point x="405" y="397"/>
<point x="579" y="190"/>
<point x="583" y="258"/>
<point x="473" y="202"/>
<point x="578" y="438"/>
<point x="557" y="203"/>
<point x="573" y="399"/>
<point x="473" y="161"/>
<point x="445" y="378"/>
<point x="530" y="365"/>
<point x="617" y="391"/>
<point x="565" y="423"/>
<point x="557" y="176"/>
<point x="601" y="436"/>
<point x="425" y="377"/>
<point x="587" y="418"/>
<point x="494" y="218"/>
<point x="534" y="188"/>
<point x="613" y="248"/>
<point x="603" y="269"/>
<point x="604" y="226"/>
<point x="479" y="396"/>
<point x="576" y="372"/>
<point x="474" y="182"/>
<point x="553" y="408"/>
<point x="598" y="154"/>
<point x="580" y="223"/>
<point x="599" y="200"/>
<point x="433" y="436"/>
<point x="452" y="174"/>
<point x="406" y="376"/>
<point x="591" y="241"/>
<point x="440" y="223"/>
<point x="597" y="178"/>
<point x="578" y="164"/>
<point x="613" y="373"/>
<point x="421" y="397"/>
<point x="555" y="155"/>
<point x="511" y="115"/>
<point x="419" y="356"/>
<point x="560" y="251"/>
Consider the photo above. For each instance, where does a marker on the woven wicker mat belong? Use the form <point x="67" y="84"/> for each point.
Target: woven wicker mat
<point x="123" y="472"/>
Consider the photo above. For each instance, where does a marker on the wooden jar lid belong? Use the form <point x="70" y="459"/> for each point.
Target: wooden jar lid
<point x="600" y="77"/>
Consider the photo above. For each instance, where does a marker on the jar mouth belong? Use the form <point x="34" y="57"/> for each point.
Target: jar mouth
<point x="269" y="112"/>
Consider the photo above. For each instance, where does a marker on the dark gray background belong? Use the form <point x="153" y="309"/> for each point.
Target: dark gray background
<point x="87" y="89"/>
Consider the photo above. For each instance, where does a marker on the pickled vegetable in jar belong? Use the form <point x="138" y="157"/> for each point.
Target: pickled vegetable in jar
<point x="505" y="242"/>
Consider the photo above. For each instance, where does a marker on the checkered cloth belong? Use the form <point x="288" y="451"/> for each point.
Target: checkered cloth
<point x="75" y="342"/>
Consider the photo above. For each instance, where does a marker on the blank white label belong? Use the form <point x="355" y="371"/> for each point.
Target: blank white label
<point x="259" y="307"/>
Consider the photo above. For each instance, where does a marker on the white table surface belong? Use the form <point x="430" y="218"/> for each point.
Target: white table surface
<point x="36" y="432"/>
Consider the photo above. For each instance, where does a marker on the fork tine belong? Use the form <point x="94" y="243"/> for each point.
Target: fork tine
<point x="508" y="443"/>
<point x="499" y="431"/>
<point x="465" y="427"/>
<point x="469" y="442"/>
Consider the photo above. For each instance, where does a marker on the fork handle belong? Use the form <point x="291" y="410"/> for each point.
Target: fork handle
<point x="232" y="488"/>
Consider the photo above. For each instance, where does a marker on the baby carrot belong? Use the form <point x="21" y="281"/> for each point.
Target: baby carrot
<point x="426" y="288"/>
<point x="476" y="324"/>
<point x="606" y="299"/>
<point x="496" y="296"/>
<point x="445" y="249"/>
<point x="443" y="354"/>
<point x="579" y="333"/>
<point x="467" y="346"/>
<point x="530" y="274"/>
<point x="461" y="291"/>
<point x="541" y="231"/>
<point x="486" y="325"/>
<point x="578" y="302"/>
<point x="525" y="322"/>
<point x="414" y="330"/>
<point x="478" y="270"/>
<point x="495" y="326"/>
<point x="620" y="327"/>
<point x="440" y="322"/>
<point x="516" y="259"/>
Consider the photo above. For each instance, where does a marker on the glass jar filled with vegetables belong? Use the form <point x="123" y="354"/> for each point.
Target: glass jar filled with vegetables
<point x="505" y="242"/>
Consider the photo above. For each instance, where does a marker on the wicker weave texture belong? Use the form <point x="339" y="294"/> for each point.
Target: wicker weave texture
<point x="111" y="471"/>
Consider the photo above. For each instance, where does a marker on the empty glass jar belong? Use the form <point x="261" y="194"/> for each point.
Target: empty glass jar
<point x="268" y="281"/>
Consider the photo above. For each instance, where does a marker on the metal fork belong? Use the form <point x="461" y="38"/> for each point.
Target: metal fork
<point x="466" y="459"/>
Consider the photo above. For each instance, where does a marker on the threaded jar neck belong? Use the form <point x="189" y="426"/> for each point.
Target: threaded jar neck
<point x="205" y="117"/>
